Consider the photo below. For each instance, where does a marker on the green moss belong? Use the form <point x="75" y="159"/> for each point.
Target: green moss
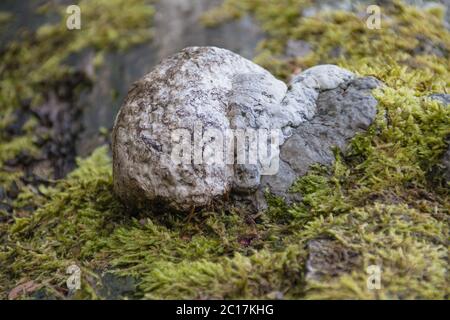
<point x="45" y="243"/>
<point x="261" y="275"/>
<point x="409" y="245"/>
<point x="406" y="141"/>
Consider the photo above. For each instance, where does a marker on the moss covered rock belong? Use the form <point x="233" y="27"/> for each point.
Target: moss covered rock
<point x="378" y="204"/>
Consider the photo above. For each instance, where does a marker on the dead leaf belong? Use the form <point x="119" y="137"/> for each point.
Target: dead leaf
<point x="24" y="288"/>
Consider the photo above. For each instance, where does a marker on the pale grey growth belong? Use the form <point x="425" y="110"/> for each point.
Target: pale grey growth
<point x="340" y="113"/>
<point x="206" y="88"/>
<point x="299" y="104"/>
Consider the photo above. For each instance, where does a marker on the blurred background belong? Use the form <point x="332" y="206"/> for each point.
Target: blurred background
<point x="173" y="25"/>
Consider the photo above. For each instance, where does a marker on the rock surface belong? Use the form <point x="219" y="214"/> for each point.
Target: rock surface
<point x="207" y="92"/>
<point x="329" y="258"/>
<point x="445" y="100"/>
<point x="340" y="114"/>
<point x="441" y="97"/>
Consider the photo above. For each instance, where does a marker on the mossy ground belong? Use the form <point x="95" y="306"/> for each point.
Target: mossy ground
<point x="383" y="198"/>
